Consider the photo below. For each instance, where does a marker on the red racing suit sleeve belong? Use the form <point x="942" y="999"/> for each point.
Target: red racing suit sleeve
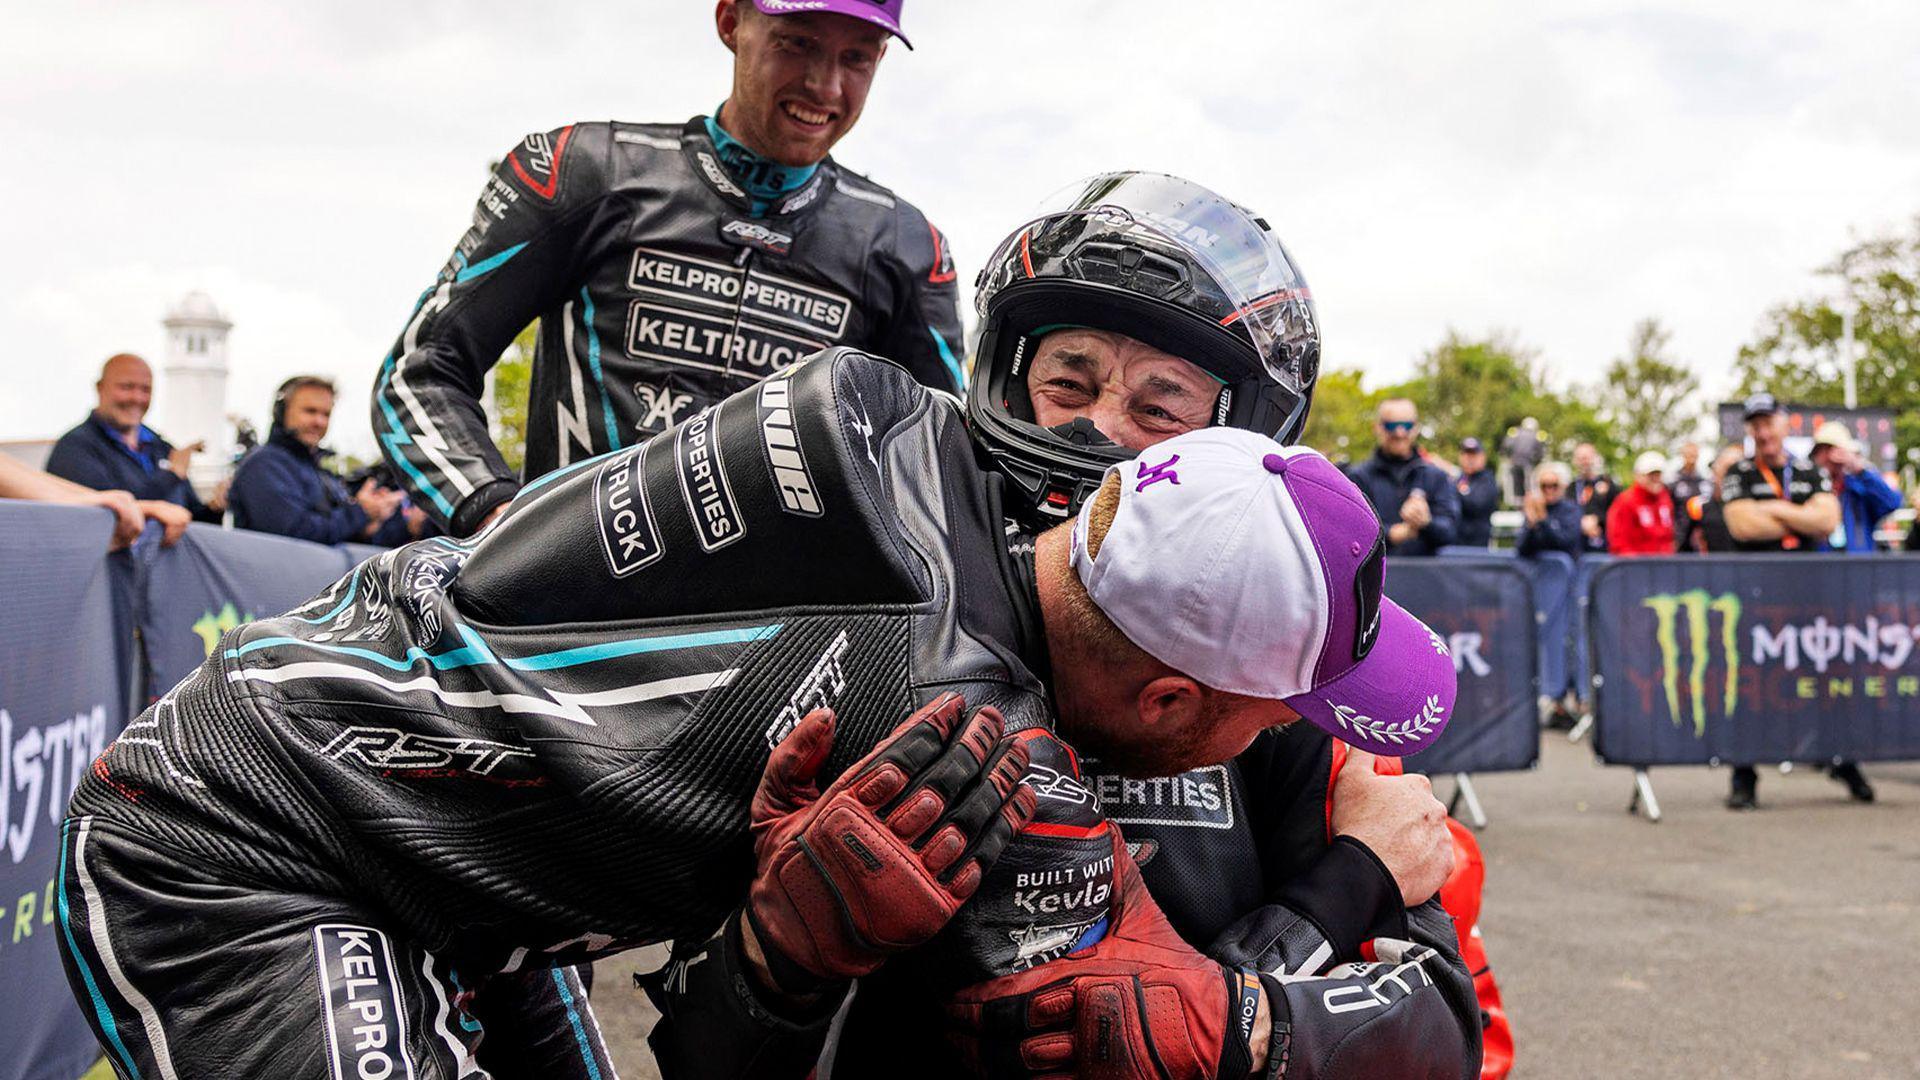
<point x="514" y="262"/>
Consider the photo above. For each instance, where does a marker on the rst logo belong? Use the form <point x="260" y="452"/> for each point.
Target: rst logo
<point x="821" y="687"/>
<point x="703" y="483"/>
<point x="406" y="751"/>
<point x="627" y="532"/>
<point x="755" y="235"/>
<point x="536" y="162"/>
<point x="718" y="176"/>
<point x="782" y="440"/>
<point x="360" y="993"/>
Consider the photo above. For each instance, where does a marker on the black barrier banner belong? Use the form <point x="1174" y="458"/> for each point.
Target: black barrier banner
<point x="62" y="698"/>
<point x="1484" y="611"/>
<point x="1757" y="658"/>
<point x="215" y="579"/>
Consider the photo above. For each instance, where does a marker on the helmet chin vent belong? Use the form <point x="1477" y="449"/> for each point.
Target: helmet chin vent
<point x="1081" y="431"/>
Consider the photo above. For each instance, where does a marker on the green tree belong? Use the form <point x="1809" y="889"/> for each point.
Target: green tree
<point x="1485" y="386"/>
<point x="1796" y="353"/>
<point x="511" y="377"/>
<point x="1644" y="395"/>
<point x="1341" y="423"/>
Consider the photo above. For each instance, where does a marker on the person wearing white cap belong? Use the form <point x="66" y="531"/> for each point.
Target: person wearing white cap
<point x="1640" y="519"/>
<point x="1077" y="370"/>
<point x="1865" y="497"/>
<point x="1218" y="574"/>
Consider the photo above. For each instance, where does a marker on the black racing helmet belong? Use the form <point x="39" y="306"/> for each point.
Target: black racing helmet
<point x="1159" y="259"/>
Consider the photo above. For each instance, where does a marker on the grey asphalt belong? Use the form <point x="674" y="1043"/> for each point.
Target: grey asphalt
<point x="1780" y="943"/>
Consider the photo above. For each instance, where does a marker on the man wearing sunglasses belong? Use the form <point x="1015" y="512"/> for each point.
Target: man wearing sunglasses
<point x="1419" y="508"/>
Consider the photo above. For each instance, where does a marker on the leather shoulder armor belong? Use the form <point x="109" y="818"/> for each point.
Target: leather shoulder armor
<point x="772" y="498"/>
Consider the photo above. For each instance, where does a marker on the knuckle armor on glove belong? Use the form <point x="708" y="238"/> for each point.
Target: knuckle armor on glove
<point x="881" y="860"/>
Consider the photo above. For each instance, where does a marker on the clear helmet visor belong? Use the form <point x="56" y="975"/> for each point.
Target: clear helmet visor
<point x="1180" y="242"/>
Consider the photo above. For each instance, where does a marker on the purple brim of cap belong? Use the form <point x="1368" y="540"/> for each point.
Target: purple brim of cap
<point x="1397" y="700"/>
<point x="884" y="14"/>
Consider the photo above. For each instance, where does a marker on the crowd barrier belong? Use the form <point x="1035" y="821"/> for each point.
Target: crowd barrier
<point x="1739" y="658"/>
<point x="63" y="696"/>
<point x="72" y="673"/>
<point x="1756" y="658"/>
<point x="1483" y="609"/>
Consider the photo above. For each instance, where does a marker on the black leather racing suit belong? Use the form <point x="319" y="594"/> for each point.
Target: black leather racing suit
<point x="473" y="762"/>
<point x="658" y="294"/>
<point x="1241" y="858"/>
<point x="468" y="765"/>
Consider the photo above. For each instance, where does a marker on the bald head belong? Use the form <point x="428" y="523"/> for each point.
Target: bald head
<point x="125" y="390"/>
<point x="1396" y="426"/>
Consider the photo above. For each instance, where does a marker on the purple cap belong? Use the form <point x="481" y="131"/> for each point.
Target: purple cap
<point x="1259" y="570"/>
<point x="884" y="14"/>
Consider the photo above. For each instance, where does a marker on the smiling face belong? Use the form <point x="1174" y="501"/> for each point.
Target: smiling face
<point x="125" y="391"/>
<point x="799" y="81"/>
<point x="1134" y="393"/>
<point x="309" y="413"/>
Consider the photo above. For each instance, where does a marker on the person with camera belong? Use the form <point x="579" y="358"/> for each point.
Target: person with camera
<point x="285" y="489"/>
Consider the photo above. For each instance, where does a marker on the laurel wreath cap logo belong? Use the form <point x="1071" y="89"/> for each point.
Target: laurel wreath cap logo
<point x="1424" y="723"/>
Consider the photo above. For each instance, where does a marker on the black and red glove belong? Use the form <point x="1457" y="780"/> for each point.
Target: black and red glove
<point x="1141" y="1004"/>
<point x="881" y="860"/>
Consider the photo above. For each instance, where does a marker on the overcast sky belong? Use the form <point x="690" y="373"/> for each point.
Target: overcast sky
<point x="1556" y="169"/>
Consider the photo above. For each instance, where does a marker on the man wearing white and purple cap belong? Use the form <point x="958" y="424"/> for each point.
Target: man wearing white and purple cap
<point x="669" y="265"/>
<point x="1077" y="370"/>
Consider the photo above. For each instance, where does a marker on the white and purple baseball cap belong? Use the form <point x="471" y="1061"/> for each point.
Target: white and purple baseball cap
<point x="884" y="14"/>
<point x="1258" y="569"/>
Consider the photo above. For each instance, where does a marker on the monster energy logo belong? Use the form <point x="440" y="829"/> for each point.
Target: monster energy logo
<point x="1695" y="606"/>
<point x="214" y="624"/>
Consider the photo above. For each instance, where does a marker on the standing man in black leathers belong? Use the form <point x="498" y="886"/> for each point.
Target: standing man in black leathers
<point x="1417" y="505"/>
<point x="1226" y="850"/>
<point x="670" y="265"/>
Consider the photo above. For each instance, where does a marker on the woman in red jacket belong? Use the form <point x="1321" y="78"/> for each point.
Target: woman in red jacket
<point x="1640" y="521"/>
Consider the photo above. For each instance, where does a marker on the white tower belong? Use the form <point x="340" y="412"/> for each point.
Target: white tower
<point x="191" y="403"/>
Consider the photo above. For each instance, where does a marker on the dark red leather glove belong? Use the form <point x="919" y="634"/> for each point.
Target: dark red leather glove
<point x="881" y="860"/>
<point x="1141" y="1004"/>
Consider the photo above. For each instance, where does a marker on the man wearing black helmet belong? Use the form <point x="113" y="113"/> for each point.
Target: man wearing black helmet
<point x="1201" y="316"/>
<point x="1243" y="857"/>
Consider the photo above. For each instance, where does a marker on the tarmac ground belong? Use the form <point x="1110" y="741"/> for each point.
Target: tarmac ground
<point x="1779" y="943"/>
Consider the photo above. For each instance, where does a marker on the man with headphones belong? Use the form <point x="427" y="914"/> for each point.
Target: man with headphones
<point x="283" y="488"/>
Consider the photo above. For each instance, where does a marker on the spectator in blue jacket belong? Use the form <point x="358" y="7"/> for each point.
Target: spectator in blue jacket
<point x="1413" y="497"/>
<point x="114" y="450"/>
<point x="1865" y="498"/>
<point x="1553" y="520"/>
<point x="282" y="487"/>
<point x="1479" y="495"/>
